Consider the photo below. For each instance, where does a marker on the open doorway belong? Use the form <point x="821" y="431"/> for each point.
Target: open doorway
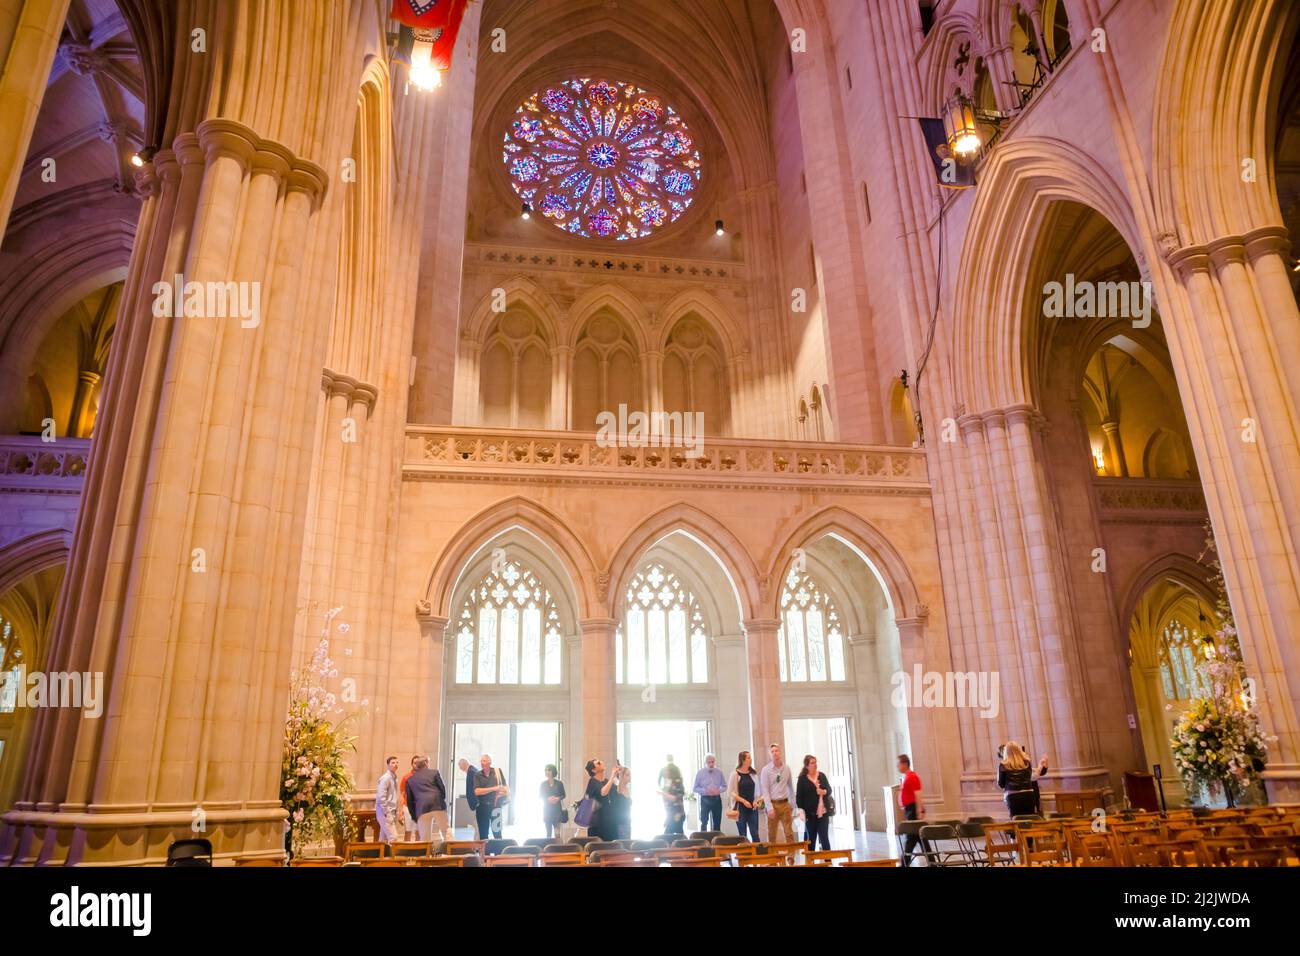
<point x="644" y="747"/>
<point x="521" y="750"/>
<point x="830" y="740"/>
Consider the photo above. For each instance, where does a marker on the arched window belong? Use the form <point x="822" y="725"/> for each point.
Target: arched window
<point x="662" y="639"/>
<point x="811" y="637"/>
<point x="1179" y="651"/>
<point x="606" y="371"/>
<point x="515" y="374"/>
<point x="695" y="376"/>
<point x="1056" y="31"/>
<point x="508" y="630"/>
<point x="11" y="663"/>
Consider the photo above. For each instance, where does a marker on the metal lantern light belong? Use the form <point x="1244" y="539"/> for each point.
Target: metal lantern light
<point x="959" y="124"/>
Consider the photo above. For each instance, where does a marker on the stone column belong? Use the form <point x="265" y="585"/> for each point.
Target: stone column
<point x="561" y="373"/>
<point x="79" y="422"/>
<point x="431" y="698"/>
<point x="29" y="38"/>
<point x="920" y="720"/>
<point x="733" y="730"/>
<point x="766" y="712"/>
<point x="574" y="757"/>
<point x="652" y="379"/>
<point x="1116" y="447"/>
<point x="599" y="712"/>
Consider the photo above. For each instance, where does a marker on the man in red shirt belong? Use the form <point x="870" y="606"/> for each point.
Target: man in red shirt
<point x="909" y="796"/>
<point x="409" y="824"/>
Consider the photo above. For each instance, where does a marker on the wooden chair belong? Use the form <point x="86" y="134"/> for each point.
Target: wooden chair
<point x="1256" y="858"/>
<point x="462" y="846"/>
<point x="365" y="851"/>
<point x="698" y="861"/>
<point x="561" y="859"/>
<point x="826" y="857"/>
<point x="515" y="859"/>
<point x="1276" y="829"/>
<point x="383" y="861"/>
<point x="458" y="860"/>
<point x="769" y="859"/>
<point x="317" y="861"/>
<point x="890" y="863"/>
<point x="1041" y="846"/>
<point x="1229" y="830"/>
<point x="1183" y="853"/>
<point x="1142" y="854"/>
<point x="259" y="861"/>
<point x="677" y="853"/>
<point x="411" y="850"/>
<point x="1091" y="849"/>
<point x="1001" y="844"/>
<point x="790" y="848"/>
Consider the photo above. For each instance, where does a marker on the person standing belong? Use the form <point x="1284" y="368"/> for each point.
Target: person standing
<point x="621" y="803"/>
<point x="813" y="798"/>
<point x="492" y="793"/>
<point x="1016" y="780"/>
<point x="426" y="796"/>
<point x="599" y="786"/>
<point x="709" y="784"/>
<point x="673" y="789"/>
<point x="743" y="790"/>
<point x="386" y="802"/>
<point x="909" y="795"/>
<point x="552" y="794"/>
<point x="409" y="823"/>
<point x="777" y="790"/>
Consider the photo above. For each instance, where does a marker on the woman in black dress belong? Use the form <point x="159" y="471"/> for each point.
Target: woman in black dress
<point x="810" y="796"/>
<point x="602" y="823"/>
<point x="552" y="794"/>
<point x="743" y="788"/>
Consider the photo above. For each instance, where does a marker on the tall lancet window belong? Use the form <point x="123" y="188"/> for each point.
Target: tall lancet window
<point x="663" y="639"/>
<point x="811" y="637"/>
<point x="508" y="630"/>
<point x="11" y="662"/>
<point x="1180" y="651"/>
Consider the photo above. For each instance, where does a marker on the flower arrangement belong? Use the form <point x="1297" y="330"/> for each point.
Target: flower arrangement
<point x="1218" y="740"/>
<point x="314" y="778"/>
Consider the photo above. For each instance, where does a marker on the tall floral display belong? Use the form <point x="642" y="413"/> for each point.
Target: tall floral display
<point x="1217" y="742"/>
<point x="314" y="778"/>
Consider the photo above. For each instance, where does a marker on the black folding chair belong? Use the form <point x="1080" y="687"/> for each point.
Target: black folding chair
<point x="196" y="852"/>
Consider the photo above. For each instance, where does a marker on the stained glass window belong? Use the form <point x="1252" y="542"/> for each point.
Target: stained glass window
<point x="663" y="638"/>
<point x="602" y="159"/>
<point x="508" y="631"/>
<point x="11" y="664"/>
<point x="1180" y="651"/>
<point x="810" y="641"/>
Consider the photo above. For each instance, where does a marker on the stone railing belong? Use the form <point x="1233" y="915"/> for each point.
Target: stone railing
<point x="1122" y="499"/>
<point x="496" y="257"/>
<point x="28" y="464"/>
<point x="435" y="452"/>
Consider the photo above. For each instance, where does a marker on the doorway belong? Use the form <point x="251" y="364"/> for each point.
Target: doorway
<point x="644" y="747"/>
<point x="830" y="740"/>
<point x="521" y="750"/>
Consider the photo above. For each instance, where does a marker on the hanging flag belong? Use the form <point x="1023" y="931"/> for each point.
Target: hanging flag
<point x="427" y="37"/>
<point x="950" y="171"/>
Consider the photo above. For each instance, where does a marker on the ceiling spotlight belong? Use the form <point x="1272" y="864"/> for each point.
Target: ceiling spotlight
<point x="526" y="211"/>
<point x="718" y="225"/>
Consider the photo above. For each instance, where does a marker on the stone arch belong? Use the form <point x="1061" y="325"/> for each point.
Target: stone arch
<point x="886" y="563"/>
<point x="1179" y="567"/>
<point x="1214" y="99"/>
<point x="549" y="529"/>
<point x="708" y="531"/>
<point x="44" y="287"/>
<point x="30" y="555"/>
<point x="950" y="32"/>
<point x="613" y="298"/>
<point x="519" y="291"/>
<point x="730" y="334"/>
<point x="1022" y="179"/>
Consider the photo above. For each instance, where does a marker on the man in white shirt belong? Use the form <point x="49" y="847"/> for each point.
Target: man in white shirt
<point x="776" y="787"/>
<point x="386" y="802"/>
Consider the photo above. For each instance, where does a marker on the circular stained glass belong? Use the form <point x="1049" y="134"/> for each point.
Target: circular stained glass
<point x="602" y="159"/>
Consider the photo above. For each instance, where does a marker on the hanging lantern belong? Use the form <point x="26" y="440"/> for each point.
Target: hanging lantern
<point x="428" y="36"/>
<point x="959" y="125"/>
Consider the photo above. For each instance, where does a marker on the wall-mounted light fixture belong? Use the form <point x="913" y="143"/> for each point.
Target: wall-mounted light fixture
<point x="959" y="126"/>
<point x="719" y="227"/>
<point x="526" y="211"/>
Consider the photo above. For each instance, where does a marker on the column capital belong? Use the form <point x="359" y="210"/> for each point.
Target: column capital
<point x="761" y="624"/>
<point x="729" y="640"/>
<point x="225" y="137"/>
<point x="595" y="625"/>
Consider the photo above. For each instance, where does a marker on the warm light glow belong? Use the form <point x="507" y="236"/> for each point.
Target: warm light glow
<point x="136" y="160"/>
<point x="963" y="134"/>
<point x="422" y="74"/>
<point x="720" y="230"/>
<point x="1100" y="460"/>
<point x="967" y="144"/>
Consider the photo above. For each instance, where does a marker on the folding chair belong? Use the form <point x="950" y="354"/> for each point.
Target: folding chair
<point x="495" y="847"/>
<point x="561" y="859"/>
<point x="196" y="852"/>
<point x="529" y="851"/>
<point x="412" y="850"/>
<point x="826" y="857"/>
<point x="941" y="845"/>
<point x="365" y="851"/>
<point x="1001" y="844"/>
<point x="905" y="829"/>
<point x="514" y="859"/>
<point x="970" y="837"/>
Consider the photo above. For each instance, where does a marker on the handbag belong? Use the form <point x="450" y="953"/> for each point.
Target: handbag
<point x="586" y="810"/>
<point x="732" y="814"/>
<point x="828" y="801"/>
